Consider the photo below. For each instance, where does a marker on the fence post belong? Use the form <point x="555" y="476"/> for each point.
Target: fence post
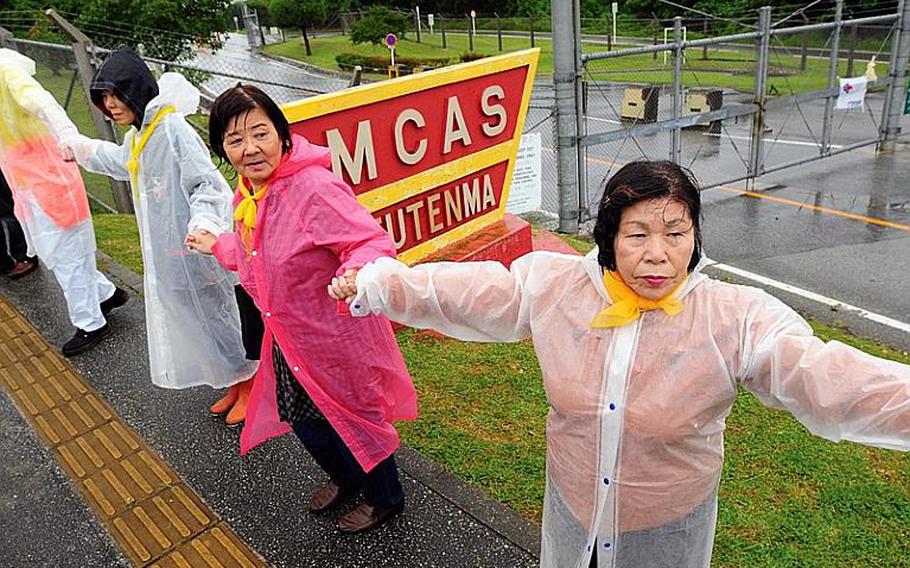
<point x="82" y="46"/>
<point x="897" y="73"/>
<point x="851" y="53"/>
<point x="442" y="28"/>
<point x="531" y="17"/>
<point x="654" y="55"/>
<point x="704" y="31"/>
<point x="676" y="133"/>
<point x="470" y="36"/>
<point x="417" y="17"/>
<point x="827" y="125"/>
<point x="498" y="29"/>
<point x="565" y="76"/>
<point x="756" y="151"/>
<point x="804" y="46"/>
<point x="6" y="38"/>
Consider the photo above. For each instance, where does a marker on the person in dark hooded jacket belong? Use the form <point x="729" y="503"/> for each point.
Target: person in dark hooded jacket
<point x="191" y="313"/>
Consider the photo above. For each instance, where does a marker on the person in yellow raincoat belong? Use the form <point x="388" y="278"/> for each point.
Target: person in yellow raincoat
<point x="641" y="356"/>
<point x="50" y="199"/>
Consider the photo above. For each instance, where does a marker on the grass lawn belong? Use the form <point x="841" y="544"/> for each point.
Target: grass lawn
<point x="723" y="68"/>
<point x="786" y="498"/>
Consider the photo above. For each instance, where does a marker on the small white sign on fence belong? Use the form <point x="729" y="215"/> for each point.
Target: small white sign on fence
<point x="852" y="93"/>
<point x="525" y="192"/>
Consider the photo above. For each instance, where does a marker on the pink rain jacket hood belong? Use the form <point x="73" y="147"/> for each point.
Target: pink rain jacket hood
<point x="309" y="228"/>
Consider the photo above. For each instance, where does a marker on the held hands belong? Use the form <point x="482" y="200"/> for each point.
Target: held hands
<point x="65" y="148"/>
<point x="201" y="241"/>
<point x="344" y="287"/>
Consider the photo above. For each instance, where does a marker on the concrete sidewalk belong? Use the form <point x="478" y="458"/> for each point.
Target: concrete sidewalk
<point x="49" y="507"/>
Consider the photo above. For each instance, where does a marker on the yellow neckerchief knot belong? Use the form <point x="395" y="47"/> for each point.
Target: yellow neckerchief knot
<point x="628" y="305"/>
<point x="137" y="146"/>
<point x="246" y="211"/>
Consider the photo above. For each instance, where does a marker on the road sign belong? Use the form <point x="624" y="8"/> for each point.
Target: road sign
<point x="430" y="155"/>
<point x="473" y="14"/>
<point x="390" y="41"/>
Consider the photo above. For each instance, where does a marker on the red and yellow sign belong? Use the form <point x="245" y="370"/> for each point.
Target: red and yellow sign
<point x="430" y="155"/>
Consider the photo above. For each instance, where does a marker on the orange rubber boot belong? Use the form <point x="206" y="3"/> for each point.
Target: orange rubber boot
<point x="225" y="403"/>
<point x="238" y="413"/>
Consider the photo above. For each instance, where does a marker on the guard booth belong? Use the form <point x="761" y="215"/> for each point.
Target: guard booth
<point x="640" y="104"/>
<point x="704" y="100"/>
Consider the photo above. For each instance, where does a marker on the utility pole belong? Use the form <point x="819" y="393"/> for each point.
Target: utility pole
<point x="565" y="78"/>
<point x="897" y="73"/>
<point x="82" y="46"/>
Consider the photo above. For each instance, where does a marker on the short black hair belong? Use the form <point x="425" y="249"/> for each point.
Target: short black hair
<point x="638" y="181"/>
<point x="238" y="100"/>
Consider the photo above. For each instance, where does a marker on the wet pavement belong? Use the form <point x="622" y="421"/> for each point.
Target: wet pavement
<point x="261" y="497"/>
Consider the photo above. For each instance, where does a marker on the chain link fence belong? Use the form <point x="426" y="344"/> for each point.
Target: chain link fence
<point x="734" y="107"/>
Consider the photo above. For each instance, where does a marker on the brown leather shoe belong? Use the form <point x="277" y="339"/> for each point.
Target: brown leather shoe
<point x="329" y="496"/>
<point x="365" y="517"/>
<point x="22" y="268"/>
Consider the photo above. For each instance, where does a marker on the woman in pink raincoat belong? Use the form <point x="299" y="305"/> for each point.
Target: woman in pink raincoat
<point x="339" y="382"/>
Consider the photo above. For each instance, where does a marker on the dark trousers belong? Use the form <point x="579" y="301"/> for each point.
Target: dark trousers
<point x="381" y="486"/>
<point x="251" y="326"/>
<point x="14" y="249"/>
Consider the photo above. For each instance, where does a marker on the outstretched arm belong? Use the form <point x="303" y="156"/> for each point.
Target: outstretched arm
<point x="209" y="194"/>
<point x="472" y="301"/>
<point x="836" y="391"/>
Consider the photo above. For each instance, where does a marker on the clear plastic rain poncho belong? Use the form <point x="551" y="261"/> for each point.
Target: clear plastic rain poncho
<point x="191" y="313"/>
<point x="49" y="193"/>
<point x="636" y="424"/>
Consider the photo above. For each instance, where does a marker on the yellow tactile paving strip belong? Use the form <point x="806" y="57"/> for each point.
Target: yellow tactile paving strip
<point x="152" y="515"/>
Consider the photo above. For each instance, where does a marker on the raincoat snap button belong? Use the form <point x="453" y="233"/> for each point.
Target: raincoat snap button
<point x="606" y="481"/>
<point x="253" y="253"/>
<point x="606" y="545"/>
<point x="612" y="406"/>
<point x="268" y="314"/>
<point x="296" y="369"/>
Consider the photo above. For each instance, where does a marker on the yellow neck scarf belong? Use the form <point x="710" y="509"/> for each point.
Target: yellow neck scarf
<point x="247" y="209"/>
<point x="627" y="305"/>
<point x="137" y="146"/>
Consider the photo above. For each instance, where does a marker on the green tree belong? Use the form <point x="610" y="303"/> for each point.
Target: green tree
<point x="300" y="14"/>
<point x="379" y="22"/>
<point x="188" y="24"/>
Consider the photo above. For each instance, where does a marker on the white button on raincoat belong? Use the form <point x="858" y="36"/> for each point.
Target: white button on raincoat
<point x="191" y="313"/>
<point x="636" y="422"/>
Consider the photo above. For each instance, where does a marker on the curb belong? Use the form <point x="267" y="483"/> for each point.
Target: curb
<point x="489" y="512"/>
<point x="328" y="73"/>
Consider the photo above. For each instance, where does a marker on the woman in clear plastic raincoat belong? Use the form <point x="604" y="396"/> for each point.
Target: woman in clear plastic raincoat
<point x="50" y="199"/>
<point x="641" y="356"/>
<point x="191" y="312"/>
